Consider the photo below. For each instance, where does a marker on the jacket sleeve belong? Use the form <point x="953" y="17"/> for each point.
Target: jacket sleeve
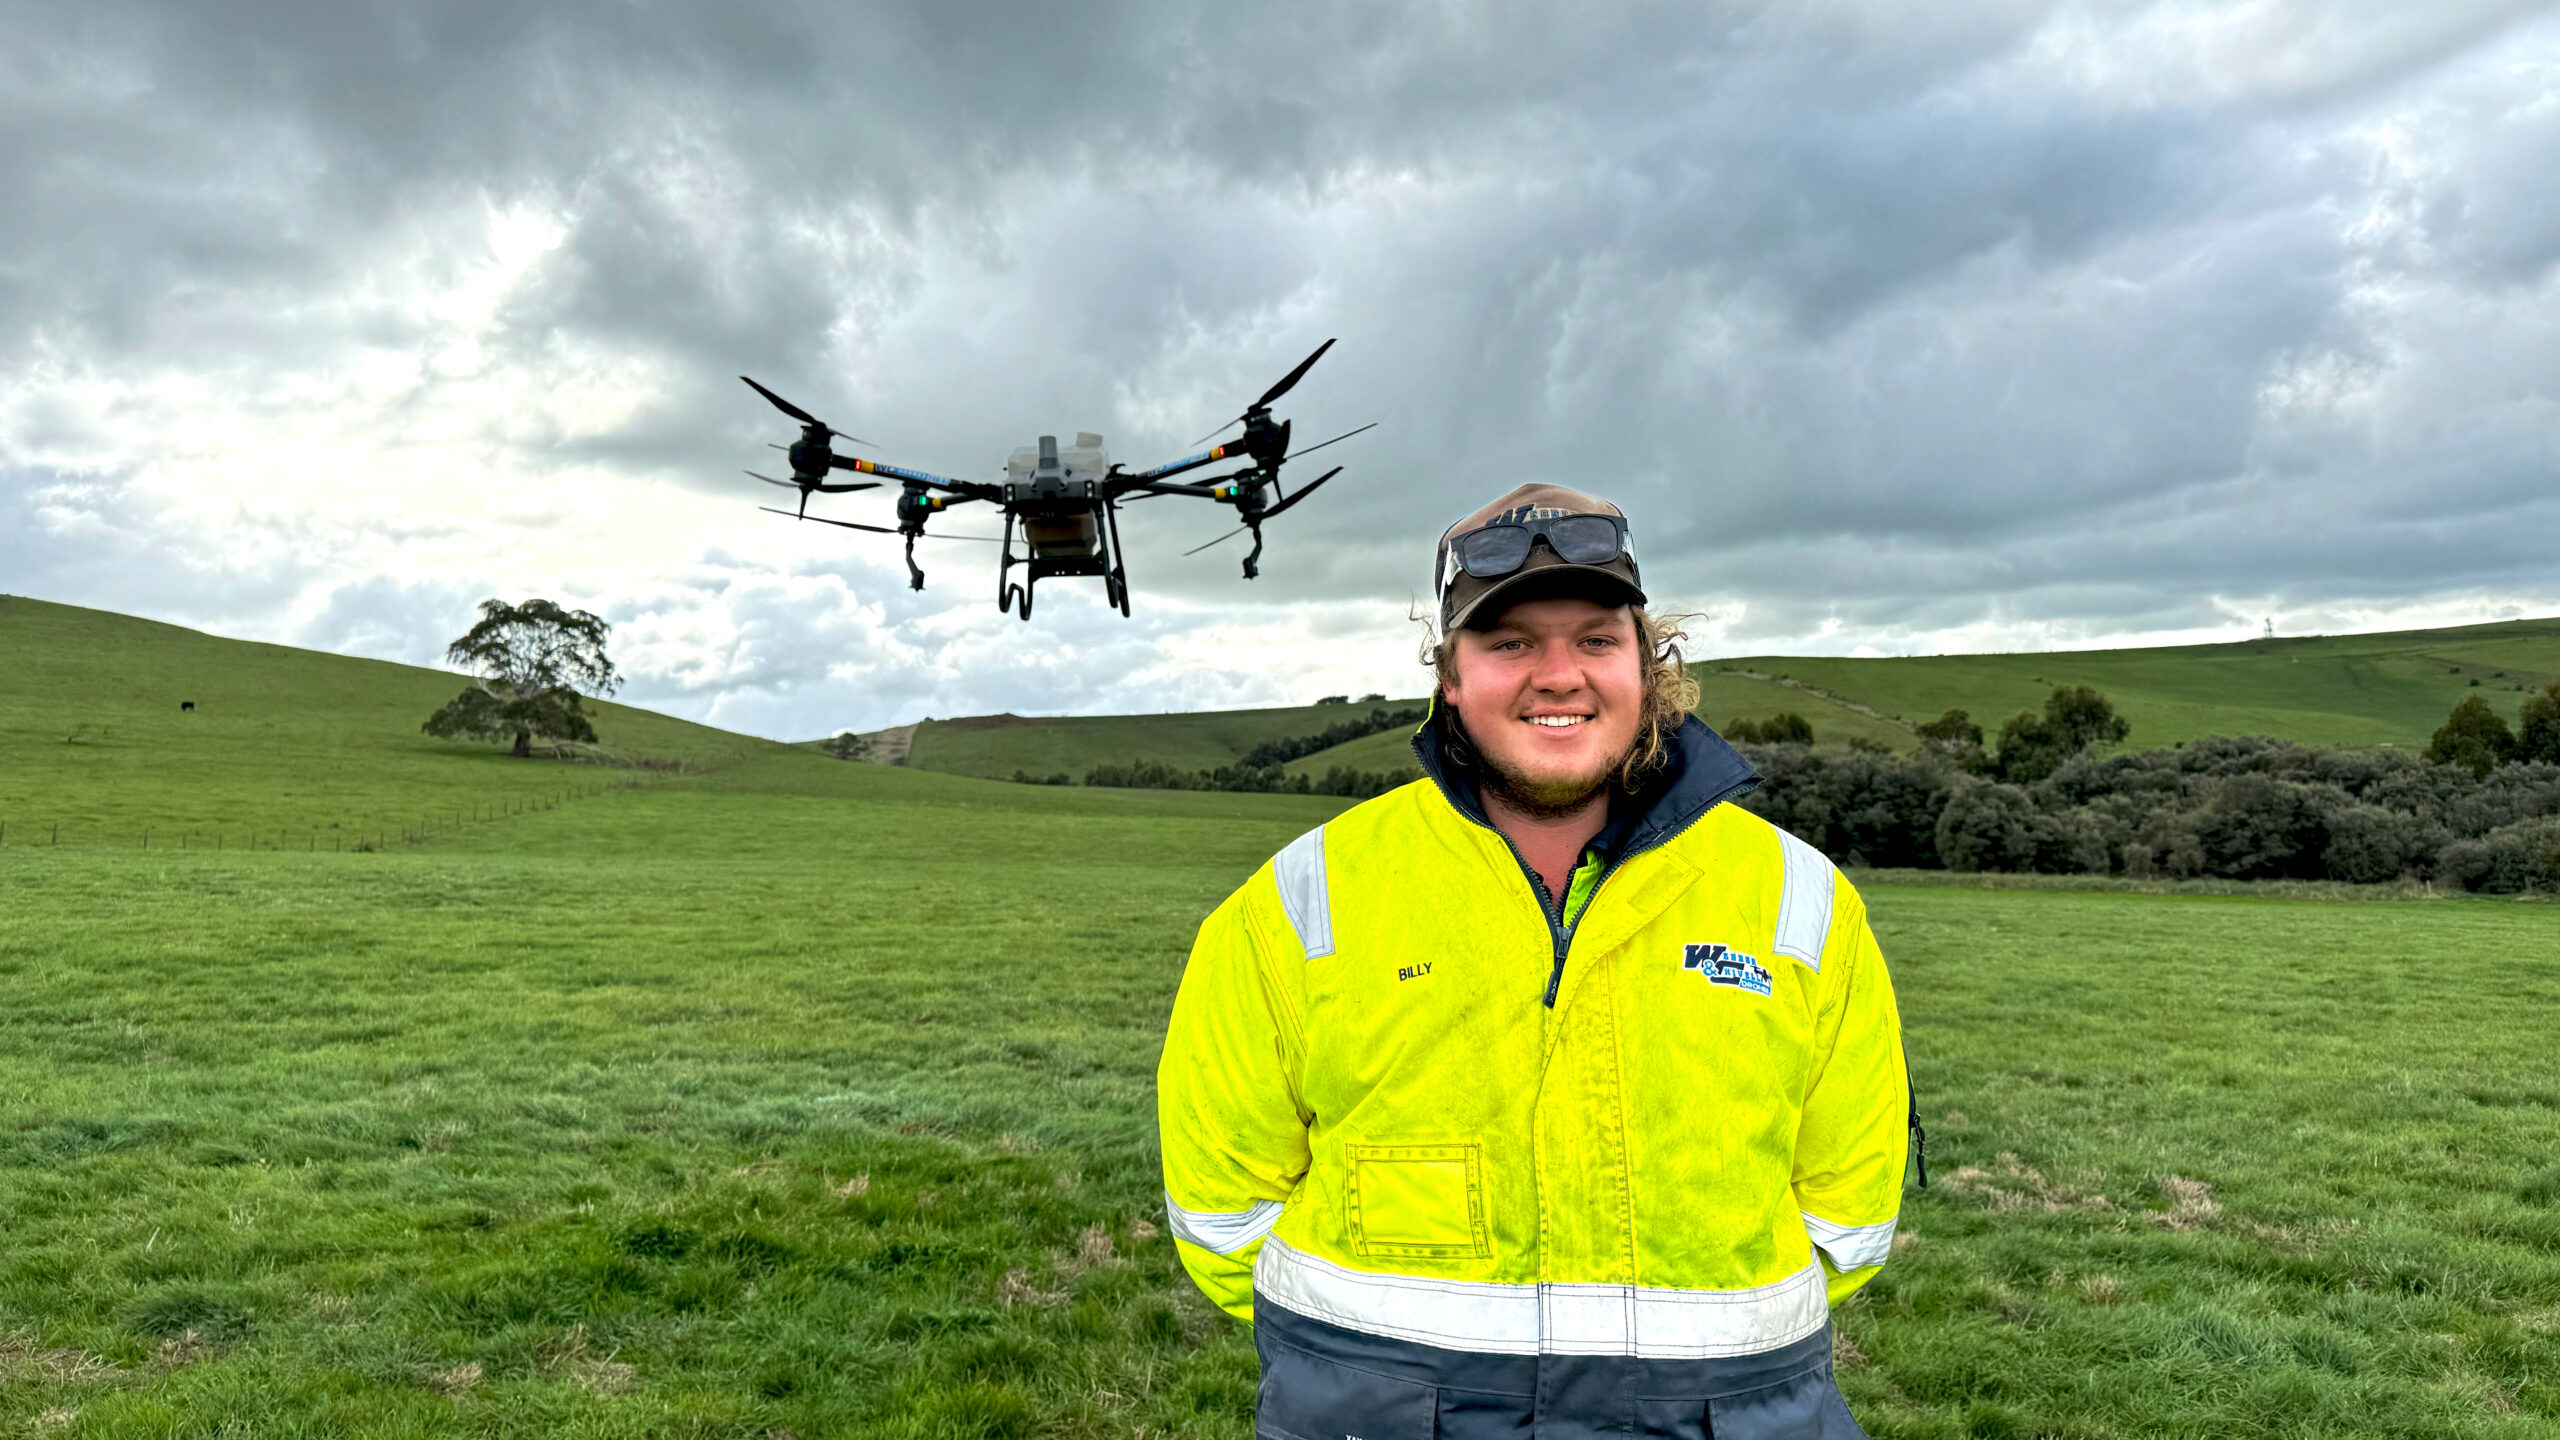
<point x="1850" y="1151"/>
<point x="1233" y="1129"/>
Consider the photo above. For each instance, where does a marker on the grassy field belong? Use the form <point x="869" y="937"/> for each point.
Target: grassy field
<point x="2339" y="690"/>
<point x="285" y="748"/>
<point x="2391" y="689"/>
<point x="994" y="746"/>
<point x="799" y="1098"/>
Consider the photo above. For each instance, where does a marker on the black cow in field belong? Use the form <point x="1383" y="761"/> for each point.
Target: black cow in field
<point x="186" y="705"/>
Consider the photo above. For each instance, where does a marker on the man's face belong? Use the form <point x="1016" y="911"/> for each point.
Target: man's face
<point x="1550" y="696"/>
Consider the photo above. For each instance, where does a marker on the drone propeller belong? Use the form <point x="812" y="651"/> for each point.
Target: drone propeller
<point x="878" y="529"/>
<point x="1230" y="535"/>
<point x="1276" y="511"/>
<point x="1287" y="383"/>
<point x="827" y="489"/>
<point x="803" y="416"/>
<point x="1345" y="435"/>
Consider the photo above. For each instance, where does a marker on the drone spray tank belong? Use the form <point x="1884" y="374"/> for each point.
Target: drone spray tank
<point x="1046" y="475"/>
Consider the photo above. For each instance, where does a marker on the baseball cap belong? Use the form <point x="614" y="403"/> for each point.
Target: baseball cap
<point x="1542" y="574"/>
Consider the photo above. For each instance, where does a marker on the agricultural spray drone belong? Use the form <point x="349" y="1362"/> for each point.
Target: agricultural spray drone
<point x="1065" y="502"/>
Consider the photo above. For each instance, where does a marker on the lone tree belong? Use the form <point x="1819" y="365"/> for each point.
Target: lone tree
<point x="2076" y="719"/>
<point x="1784" y="728"/>
<point x="2474" y="737"/>
<point x="1954" y="737"/>
<point x="2538" y="728"/>
<point x="533" y="661"/>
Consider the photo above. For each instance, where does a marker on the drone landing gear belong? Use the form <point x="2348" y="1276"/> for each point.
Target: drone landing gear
<point x="1103" y="560"/>
<point x="1009" y="596"/>
<point x="1115" y="581"/>
<point x="1253" y="557"/>
<point x="915" y="575"/>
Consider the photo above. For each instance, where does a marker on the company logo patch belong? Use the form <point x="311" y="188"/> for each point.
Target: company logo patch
<point x="1722" y="966"/>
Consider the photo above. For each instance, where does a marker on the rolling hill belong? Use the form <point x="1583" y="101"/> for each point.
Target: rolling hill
<point x="284" y="747"/>
<point x="2382" y="689"/>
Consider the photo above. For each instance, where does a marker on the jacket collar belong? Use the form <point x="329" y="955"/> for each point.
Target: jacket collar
<point x="1699" y="772"/>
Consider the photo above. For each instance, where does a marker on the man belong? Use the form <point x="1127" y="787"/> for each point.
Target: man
<point x="1551" y="1094"/>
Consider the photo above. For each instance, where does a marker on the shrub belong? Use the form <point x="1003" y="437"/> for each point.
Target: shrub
<point x="2076" y="719"/>
<point x="2258" y="828"/>
<point x="2240" y="807"/>
<point x="1954" y="738"/>
<point x="1991" y="826"/>
<point x="2538" y="727"/>
<point x="2369" y="845"/>
<point x="1784" y="728"/>
<point x="2508" y="860"/>
<point x="2474" y="737"/>
<point x="1862" y="807"/>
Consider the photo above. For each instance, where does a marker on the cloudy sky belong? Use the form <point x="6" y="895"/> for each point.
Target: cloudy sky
<point x="1898" y="328"/>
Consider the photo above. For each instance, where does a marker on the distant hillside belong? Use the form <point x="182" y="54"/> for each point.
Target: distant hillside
<point x="994" y="746"/>
<point x="284" y="746"/>
<point x="2390" y="689"/>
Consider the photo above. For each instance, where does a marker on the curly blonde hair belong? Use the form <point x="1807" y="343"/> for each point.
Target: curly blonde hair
<point x="1670" y="693"/>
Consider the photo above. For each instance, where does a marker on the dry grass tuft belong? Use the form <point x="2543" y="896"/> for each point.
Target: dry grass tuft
<point x="2014" y="1187"/>
<point x="1845" y="1354"/>
<point x="571" y="1361"/>
<point x="1094" y="1249"/>
<point x="23" y="1361"/>
<point x="460" y="1380"/>
<point x="182" y="1350"/>
<point x="858" y="1185"/>
<point x="1016" y="1289"/>
<point x="2103" y="1290"/>
<point x="2191" y="1204"/>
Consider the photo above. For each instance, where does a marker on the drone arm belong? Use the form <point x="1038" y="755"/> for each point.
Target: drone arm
<point x="919" y="477"/>
<point x="1209" y="456"/>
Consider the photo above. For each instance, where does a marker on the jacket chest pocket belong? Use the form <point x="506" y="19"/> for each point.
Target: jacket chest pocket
<point x="1417" y="1200"/>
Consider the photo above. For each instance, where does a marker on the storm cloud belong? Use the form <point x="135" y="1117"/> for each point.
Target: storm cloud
<point x="1896" y="328"/>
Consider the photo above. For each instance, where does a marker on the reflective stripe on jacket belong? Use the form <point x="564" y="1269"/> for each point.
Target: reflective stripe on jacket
<point x="1401" y="1098"/>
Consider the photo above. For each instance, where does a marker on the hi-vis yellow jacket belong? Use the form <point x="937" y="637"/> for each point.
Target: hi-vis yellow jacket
<point x="1403" y="1096"/>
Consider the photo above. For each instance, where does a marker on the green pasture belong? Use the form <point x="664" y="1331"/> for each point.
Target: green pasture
<point x="789" y="1097"/>
<point x="809" y="1098"/>
<point x="994" y="746"/>
<point x="2391" y="689"/>
<point x="285" y="748"/>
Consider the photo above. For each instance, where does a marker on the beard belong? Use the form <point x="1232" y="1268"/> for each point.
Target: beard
<point x="1546" y="797"/>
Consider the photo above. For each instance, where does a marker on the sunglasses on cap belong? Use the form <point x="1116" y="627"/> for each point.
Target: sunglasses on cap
<point x="1491" y="551"/>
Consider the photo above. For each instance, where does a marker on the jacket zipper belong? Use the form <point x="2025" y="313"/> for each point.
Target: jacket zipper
<point x="1559" y="931"/>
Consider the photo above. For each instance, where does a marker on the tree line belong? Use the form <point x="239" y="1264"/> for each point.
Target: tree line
<point x="2473" y="811"/>
<point x="2479" y="809"/>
